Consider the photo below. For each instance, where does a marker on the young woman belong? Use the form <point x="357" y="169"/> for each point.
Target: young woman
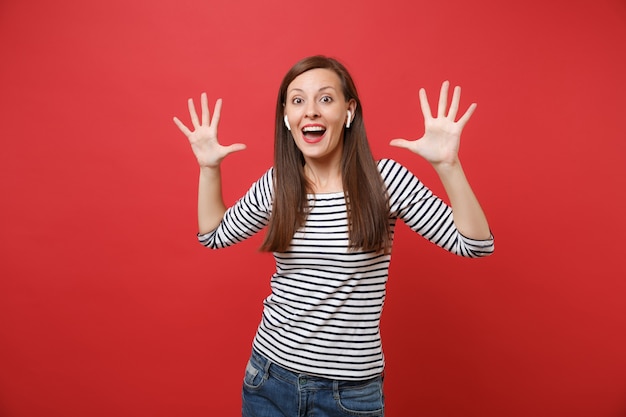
<point x="331" y="210"/>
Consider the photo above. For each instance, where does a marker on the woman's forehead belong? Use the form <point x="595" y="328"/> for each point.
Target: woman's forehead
<point x="315" y="80"/>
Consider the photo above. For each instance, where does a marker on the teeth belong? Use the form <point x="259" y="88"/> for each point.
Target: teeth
<point x="313" y="129"/>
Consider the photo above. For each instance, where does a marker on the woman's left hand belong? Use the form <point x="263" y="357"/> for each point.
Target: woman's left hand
<point x="442" y="134"/>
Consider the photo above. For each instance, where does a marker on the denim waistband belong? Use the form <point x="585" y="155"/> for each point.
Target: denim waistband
<point x="303" y="380"/>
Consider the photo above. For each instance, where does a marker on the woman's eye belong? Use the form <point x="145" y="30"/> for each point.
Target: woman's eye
<point x="327" y="99"/>
<point x="296" y="100"/>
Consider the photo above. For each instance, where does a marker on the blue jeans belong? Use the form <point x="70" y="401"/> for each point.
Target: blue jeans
<point x="272" y="391"/>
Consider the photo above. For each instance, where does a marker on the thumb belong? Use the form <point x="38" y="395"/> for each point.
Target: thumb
<point x="400" y="143"/>
<point x="235" y="147"/>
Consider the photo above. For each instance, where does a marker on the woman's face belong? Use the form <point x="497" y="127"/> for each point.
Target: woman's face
<point x="317" y="111"/>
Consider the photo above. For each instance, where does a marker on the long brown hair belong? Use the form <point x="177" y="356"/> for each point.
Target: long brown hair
<point x="366" y="195"/>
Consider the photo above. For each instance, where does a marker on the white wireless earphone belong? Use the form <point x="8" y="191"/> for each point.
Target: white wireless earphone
<point x="349" y="119"/>
<point x="287" y="123"/>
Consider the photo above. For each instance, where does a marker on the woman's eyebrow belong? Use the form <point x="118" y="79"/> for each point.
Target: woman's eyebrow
<point x="321" y="89"/>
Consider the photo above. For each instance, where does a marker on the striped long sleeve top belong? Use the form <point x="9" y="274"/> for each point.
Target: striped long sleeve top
<point x="323" y="313"/>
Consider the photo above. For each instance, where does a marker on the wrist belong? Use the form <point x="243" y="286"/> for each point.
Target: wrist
<point x="209" y="171"/>
<point x="447" y="167"/>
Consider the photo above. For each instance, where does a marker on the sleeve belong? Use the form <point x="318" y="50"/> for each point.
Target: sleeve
<point x="425" y="213"/>
<point x="246" y="217"/>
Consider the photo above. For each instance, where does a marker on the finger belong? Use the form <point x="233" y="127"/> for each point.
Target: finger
<point x="443" y="99"/>
<point x="454" y="106"/>
<point x="217" y="111"/>
<point x="182" y="127"/>
<point x="466" y="116"/>
<point x="424" y="104"/>
<point x="400" y="143"/>
<point x="235" y="147"/>
<point x="193" y="114"/>
<point x="204" y="104"/>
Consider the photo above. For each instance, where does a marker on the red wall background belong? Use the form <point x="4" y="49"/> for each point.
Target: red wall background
<point x="108" y="306"/>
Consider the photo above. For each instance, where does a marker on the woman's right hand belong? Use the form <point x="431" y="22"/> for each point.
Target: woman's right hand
<point x="203" y="137"/>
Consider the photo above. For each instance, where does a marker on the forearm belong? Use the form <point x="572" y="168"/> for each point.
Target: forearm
<point x="469" y="217"/>
<point x="211" y="207"/>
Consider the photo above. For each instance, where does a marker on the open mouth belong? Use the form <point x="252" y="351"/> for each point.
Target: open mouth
<point x="313" y="133"/>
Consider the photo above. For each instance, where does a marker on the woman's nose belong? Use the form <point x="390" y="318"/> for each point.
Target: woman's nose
<point x="312" y="111"/>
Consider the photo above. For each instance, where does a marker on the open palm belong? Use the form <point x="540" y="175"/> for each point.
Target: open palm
<point x="442" y="134"/>
<point x="203" y="137"/>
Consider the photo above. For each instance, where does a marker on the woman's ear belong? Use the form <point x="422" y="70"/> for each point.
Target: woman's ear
<point x="351" y="112"/>
<point x="287" y="123"/>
